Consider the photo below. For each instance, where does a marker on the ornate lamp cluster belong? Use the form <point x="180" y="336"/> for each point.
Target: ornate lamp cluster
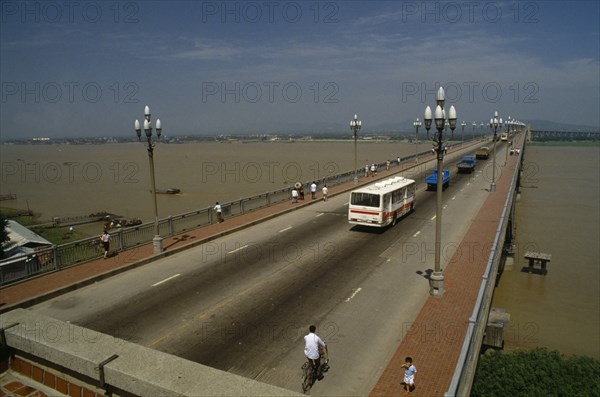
<point x="157" y="240"/>
<point x="495" y="122"/>
<point x="355" y="125"/>
<point x="441" y="123"/>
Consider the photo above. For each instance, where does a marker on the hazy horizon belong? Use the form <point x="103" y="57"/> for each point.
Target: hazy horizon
<point x="210" y="67"/>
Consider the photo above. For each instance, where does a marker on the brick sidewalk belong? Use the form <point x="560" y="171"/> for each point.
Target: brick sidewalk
<point x="45" y="287"/>
<point x="436" y="337"/>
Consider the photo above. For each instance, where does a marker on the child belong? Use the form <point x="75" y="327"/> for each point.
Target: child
<point x="409" y="375"/>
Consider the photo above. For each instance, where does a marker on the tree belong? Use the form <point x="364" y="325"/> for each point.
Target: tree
<point x="536" y="372"/>
<point x="3" y="233"/>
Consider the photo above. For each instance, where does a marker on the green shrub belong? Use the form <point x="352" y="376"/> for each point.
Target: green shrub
<point x="534" y="373"/>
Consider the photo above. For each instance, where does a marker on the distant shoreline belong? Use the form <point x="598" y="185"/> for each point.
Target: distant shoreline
<point x="565" y="143"/>
<point x="193" y="141"/>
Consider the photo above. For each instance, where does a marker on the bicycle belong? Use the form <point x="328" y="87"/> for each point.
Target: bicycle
<point x="308" y="373"/>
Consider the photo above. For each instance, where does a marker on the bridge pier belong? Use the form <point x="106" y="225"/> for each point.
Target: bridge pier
<point x="540" y="257"/>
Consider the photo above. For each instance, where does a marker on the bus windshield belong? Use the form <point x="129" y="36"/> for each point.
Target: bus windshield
<point x="365" y="199"/>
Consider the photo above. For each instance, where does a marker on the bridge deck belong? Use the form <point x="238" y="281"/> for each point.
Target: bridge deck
<point x="435" y="338"/>
<point x="35" y="290"/>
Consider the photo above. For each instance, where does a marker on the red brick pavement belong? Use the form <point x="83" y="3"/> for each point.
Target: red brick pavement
<point x="436" y="337"/>
<point x="53" y="284"/>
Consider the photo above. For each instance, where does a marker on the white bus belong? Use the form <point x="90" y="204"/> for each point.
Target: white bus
<point x="382" y="203"/>
<point x="504" y="136"/>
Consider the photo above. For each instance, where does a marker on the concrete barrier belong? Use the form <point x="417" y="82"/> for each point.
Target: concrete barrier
<point x="117" y="365"/>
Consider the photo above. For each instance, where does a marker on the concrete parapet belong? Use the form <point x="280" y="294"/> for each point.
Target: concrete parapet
<point x="136" y="370"/>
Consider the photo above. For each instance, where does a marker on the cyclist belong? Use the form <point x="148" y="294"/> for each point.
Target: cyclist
<point x="312" y="347"/>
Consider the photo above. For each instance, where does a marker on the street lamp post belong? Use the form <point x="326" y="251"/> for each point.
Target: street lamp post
<point x="508" y="123"/>
<point x="437" y="278"/>
<point x="462" y="133"/>
<point x="474" y="125"/>
<point x="495" y="122"/>
<point x="355" y="125"/>
<point x="157" y="240"/>
<point x="417" y="124"/>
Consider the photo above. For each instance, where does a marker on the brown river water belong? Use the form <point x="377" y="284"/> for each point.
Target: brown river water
<point x="558" y="213"/>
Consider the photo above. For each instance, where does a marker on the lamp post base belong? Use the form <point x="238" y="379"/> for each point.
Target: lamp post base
<point x="157" y="243"/>
<point x="436" y="284"/>
<point x="493" y="187"/>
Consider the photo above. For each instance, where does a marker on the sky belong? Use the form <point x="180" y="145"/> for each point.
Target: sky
<point x="74" y="69"/>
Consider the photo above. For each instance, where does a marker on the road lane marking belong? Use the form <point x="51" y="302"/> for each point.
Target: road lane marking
<point x="433" y="217"/>
<point x="286" y="229"/>
<point x="454" y="198"/>
<point x="417" y="233"/>
<point x="445" y="206"/>
<point x="166" y="279"/>
<point x="347" y="203"/>
<point x="356" y="291"/>
<point x="237" y="249"/>
<point x="321" y="214"/>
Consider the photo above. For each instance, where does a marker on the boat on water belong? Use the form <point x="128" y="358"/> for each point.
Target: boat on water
<point x="172" y="190"/>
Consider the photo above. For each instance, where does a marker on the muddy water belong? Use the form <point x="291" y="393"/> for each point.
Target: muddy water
<point x="75" y="180"/>
<point x="558" y="213"/>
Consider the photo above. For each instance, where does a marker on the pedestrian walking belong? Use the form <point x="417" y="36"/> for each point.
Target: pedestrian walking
<point x="105" y="239"/>
<point x="313" y="190"/>
<point x="373" y="169"/>
<point x="409" y="375"/>
<point x="294" y="196"/>
<point x="366" y="169"/>
<point x="219" y="212"/>
<point x="387" y="165"/>
<point x="325" y="192"/>
<point x="301" y="192"/>
<point x="398" y="160"/>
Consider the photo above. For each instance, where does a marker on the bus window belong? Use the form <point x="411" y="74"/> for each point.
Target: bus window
<point x="365" y="199"/>
<point x="397" y="196"/>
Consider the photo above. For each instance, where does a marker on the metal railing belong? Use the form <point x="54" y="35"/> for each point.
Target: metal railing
<point x="18" y="268"/>
<point x="463" y="374"/>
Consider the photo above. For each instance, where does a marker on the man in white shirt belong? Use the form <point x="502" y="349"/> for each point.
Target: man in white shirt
<point x="312" y="345"/>
<point x="313" y="190"/>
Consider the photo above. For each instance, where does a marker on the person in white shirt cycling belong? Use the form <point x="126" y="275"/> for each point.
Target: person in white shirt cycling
<point x="312" y="346"/>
